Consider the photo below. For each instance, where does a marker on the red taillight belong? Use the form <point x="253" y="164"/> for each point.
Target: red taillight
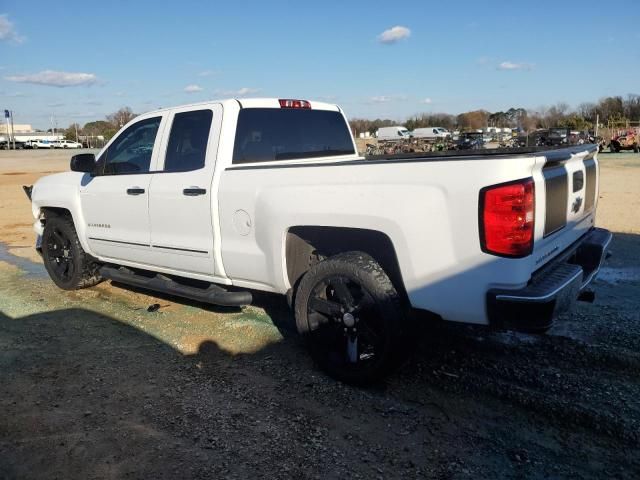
<point x="507" y="212"/>
<point x="289" y="103"/>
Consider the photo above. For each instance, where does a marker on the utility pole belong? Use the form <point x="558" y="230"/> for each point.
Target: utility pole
<point x="13" y="132"/>
<point x="6" y="117"/>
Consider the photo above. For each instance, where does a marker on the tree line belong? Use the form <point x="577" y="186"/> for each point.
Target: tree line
<point x="609" y="110"/>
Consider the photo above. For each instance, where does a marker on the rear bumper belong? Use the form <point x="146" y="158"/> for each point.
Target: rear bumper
<point x="552" y="290"/>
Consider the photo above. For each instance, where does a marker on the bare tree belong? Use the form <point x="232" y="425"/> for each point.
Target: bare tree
<point x="121" y="117"/>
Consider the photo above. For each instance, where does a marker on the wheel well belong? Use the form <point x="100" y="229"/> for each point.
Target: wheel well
<point x="54" y="212"/>
<point x="308" y="245"/>
<point x="48" y="212"/>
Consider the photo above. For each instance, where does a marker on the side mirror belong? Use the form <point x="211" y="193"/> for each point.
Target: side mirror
<point x="83" y="162"/>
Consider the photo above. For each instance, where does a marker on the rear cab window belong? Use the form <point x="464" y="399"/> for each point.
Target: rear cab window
<point x="272" y="134"/>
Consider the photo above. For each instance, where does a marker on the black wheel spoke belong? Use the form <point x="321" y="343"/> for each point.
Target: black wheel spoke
<point x="326" y="307"/>
<point x="60" y="240"/>
<point x="342" y="292"/>
<point x="53" y="251"/>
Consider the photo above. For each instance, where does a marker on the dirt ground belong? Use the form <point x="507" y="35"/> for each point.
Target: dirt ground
<point x="92" y="385"/>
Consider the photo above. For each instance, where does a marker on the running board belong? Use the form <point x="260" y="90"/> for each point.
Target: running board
<point x="213" y="294"/>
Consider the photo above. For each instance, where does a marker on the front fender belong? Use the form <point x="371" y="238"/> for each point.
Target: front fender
<point x="61" y="191"/>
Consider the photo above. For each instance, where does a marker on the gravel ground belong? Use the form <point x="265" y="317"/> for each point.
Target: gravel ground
<point x="92" y="385"/>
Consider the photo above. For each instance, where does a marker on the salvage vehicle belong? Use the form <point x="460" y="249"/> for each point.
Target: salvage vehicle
<point x="393" y="133"/>
<point x="551" y="137"/>
<point x="627" y="141"/>
<point x="470" y="141"/>
<point x="432" y="133"/>
<point x="215" y="200"/>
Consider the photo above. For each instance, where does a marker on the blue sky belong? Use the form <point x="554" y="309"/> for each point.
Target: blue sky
<point x="79" y="61"/>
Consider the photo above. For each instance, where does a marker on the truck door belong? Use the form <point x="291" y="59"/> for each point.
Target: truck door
<point x="181" y="202"/>
<point x="115" y="199"/>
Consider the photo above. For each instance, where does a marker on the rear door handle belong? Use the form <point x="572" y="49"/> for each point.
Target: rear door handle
<point x="135" y="191"/>
<point x="193" y="191"/>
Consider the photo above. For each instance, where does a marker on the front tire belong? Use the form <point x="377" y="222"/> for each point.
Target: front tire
<point x="66" y="262"/>
<point x="352" y="317"/>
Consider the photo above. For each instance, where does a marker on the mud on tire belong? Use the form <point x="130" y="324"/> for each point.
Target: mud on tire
<point x="352" y="318"/>
<point x="66" y="262"/>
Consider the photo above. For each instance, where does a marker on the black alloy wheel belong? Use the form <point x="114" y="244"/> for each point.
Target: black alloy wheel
<point x="59" y="253"/>
<point x="352" y="317"/>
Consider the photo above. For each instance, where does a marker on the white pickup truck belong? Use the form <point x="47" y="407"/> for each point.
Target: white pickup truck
<point x="213" y="200"/>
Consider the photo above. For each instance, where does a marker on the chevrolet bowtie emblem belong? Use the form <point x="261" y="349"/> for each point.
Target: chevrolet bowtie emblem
<point x="577" y="203"/>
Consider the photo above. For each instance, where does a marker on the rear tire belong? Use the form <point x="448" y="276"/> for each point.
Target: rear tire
<point x="66" y="262"/>
<point x="352" y="318"/>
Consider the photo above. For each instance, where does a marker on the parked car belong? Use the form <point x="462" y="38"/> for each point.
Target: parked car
<point x="35" y="144"/>
<point x="6" y="145"/>
<point x="393" y="133"/>
<point x="273" y="196"/>
<point x="435" y="133"/>
<point x="470" y="141"/>
<point x="66" y="144"/>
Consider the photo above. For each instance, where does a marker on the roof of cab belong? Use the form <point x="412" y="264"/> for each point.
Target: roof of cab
<point x="250" y="103"/>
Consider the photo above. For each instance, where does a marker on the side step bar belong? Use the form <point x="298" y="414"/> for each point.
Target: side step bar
<point x="213" y="294"/>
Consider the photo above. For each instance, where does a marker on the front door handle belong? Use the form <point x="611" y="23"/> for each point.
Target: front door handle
<point x="193" y="191"/>
<point x="135" y="191"/>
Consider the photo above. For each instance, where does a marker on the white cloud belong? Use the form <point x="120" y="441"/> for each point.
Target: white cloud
<point x="515" y="66"/>
<point x="242" y="92"/>
<point x="387" y="98"/>
<point x="380" y="99"/>
<point x="52" y="78"/>
<point x="8" y="31"/>
<point x="426" y="101"/>
<point x="394" y="35"/>
<point x="193" y="88"/>
<point x="207" y="73"/>
<point x="55" y="104"/>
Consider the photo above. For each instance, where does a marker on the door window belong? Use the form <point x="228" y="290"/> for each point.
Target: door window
<point x="131" y="151"/>
<point x="187" y="146"/>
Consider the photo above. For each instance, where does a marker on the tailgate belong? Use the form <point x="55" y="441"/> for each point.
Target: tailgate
<point x="566" y="198"/>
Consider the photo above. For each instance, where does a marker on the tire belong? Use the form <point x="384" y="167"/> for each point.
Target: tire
<point x="352" y="318"/>
<point x="66" y="262"/>
<point x="613" y="148"/>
